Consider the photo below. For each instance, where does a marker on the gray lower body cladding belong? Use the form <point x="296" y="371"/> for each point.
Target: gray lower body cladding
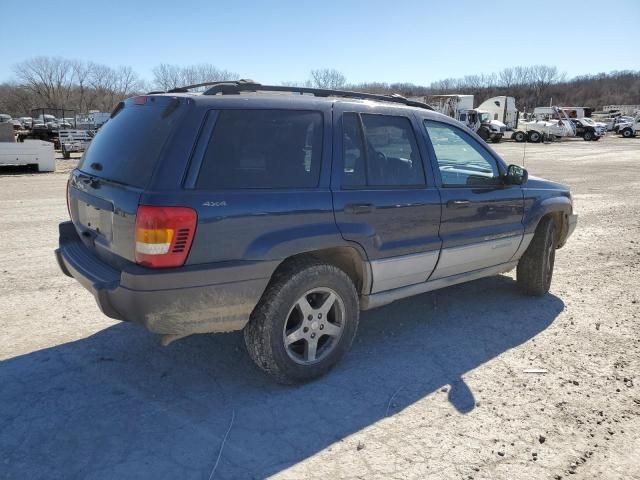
<point x="181" y="301"/>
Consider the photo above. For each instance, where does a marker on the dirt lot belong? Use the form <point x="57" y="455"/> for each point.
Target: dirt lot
<point x="434" y="387"/>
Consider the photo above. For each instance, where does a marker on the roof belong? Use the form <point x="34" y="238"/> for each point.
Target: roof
<point x="244" y="87"/>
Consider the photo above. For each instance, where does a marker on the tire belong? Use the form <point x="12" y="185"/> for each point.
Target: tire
<point x="483" y="133"/>
<point x="66" y="155"/>
<point x="519" y="137"/>
<point x="279" y="317"/>
<point x="534" y="137"/>
<point x="496" y="139"/>
<point x="535" y="268"/>
<point x="627" y="133"/>
<point x="588" y="136"/>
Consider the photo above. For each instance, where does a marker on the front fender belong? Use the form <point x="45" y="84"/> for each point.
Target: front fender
<point x="543" y="207"/>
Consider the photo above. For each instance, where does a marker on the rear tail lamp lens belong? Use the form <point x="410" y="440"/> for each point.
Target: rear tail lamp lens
<point x="164" y="235"/>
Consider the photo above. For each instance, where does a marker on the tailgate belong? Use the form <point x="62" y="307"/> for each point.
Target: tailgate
<point x="104" y="215"/>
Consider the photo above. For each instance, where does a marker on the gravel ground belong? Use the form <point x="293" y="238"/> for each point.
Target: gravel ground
<point x="435" y="386"/>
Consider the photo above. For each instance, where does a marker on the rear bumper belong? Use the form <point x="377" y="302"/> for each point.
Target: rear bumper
<point x="193" y="299"/>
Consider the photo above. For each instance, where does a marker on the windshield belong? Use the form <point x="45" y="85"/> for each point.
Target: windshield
<point x="588" y="121"/>
<point x="485" y="117"/>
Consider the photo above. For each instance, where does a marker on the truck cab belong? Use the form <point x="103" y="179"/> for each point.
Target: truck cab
<point x="482" y="122"/>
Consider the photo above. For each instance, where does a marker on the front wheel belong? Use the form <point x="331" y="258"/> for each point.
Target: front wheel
<point x="588" y="136"/>
<point x="305" y="322"/>
<point x="496" y="139"/>
<point x="535" y="268"/>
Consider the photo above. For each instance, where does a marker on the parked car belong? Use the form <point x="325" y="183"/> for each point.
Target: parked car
<point x="629" y="127"/>
<point x="27" y="122"/>
<point x="621" y="121"/>
<point x="588" y="129"/>
<point x="286" y="215"/>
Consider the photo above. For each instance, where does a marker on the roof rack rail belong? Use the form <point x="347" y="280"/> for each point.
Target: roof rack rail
<point x="237" y="87"/>
<point x="207" y="84"/>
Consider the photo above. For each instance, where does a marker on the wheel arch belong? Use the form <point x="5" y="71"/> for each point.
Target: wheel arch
<point x="558" y="209"/>
<point x="350" y="259"/>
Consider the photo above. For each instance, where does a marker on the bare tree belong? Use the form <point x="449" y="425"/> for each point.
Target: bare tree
<point x="327" y="78"/>
<point x="49" y="78"/>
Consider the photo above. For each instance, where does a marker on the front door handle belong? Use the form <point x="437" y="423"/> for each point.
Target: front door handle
<point x="358" y="208"/>
<point x="458" y="203"/>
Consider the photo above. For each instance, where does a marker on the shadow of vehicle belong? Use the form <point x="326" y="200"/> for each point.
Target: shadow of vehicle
<point x="117" y="405"/>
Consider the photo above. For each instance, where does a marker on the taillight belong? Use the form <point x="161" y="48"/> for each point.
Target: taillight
<point x="164" y="235"/>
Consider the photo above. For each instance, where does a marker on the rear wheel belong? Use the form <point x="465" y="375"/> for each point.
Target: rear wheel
<point x="535" y="268"/>
<point x="627" y="133"/>
<point x="305" y="322"/>
<point x="534" y="137"/>
<point x="519" y="137"/>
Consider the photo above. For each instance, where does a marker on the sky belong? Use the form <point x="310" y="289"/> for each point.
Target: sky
<point x="273" y="41"/>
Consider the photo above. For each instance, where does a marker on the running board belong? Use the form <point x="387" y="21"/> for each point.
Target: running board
<point x="367" y="302"/>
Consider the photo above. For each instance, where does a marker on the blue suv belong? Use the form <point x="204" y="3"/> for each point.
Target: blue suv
<point x="286" y="211"/>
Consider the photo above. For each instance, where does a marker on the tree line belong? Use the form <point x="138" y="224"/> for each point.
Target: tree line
<point x="57" y="83"/>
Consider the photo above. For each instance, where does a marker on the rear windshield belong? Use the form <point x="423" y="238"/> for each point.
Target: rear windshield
<point x="126" y="148"/>
<point x="263" y="149"/>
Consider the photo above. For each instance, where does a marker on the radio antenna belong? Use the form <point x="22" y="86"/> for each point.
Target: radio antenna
<point x="524" y="145"/>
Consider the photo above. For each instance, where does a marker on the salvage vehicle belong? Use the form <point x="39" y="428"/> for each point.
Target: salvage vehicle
<point x="629" y="127"/>
<point x="285" y="211"/>
<point x="548" y="124"/>
<point x="588" y="129"/>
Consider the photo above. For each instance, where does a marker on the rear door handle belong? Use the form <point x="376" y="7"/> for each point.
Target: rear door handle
<point x="358" y="208"/>
<point x="458" y="203"/>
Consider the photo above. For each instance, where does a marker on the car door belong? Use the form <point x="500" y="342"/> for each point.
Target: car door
<point x="382" y="198"/>
<point x="481" y="216"/>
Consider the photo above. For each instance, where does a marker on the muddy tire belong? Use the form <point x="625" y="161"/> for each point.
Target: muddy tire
<point x="535" y="268"/>
<point x="305" y="321"/>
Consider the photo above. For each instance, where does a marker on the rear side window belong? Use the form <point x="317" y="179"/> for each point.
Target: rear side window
<point x="258" y="149"/>
<point x="382" y="151"/>
<point x="127" y="147"/>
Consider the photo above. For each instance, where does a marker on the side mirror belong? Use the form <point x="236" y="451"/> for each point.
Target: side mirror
<point x="516" y="175"/>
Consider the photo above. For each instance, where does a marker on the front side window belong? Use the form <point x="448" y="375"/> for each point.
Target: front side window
<point x="380" y="151"/>
<point x="263" y="149"/>
<point x="462" y="161"/>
